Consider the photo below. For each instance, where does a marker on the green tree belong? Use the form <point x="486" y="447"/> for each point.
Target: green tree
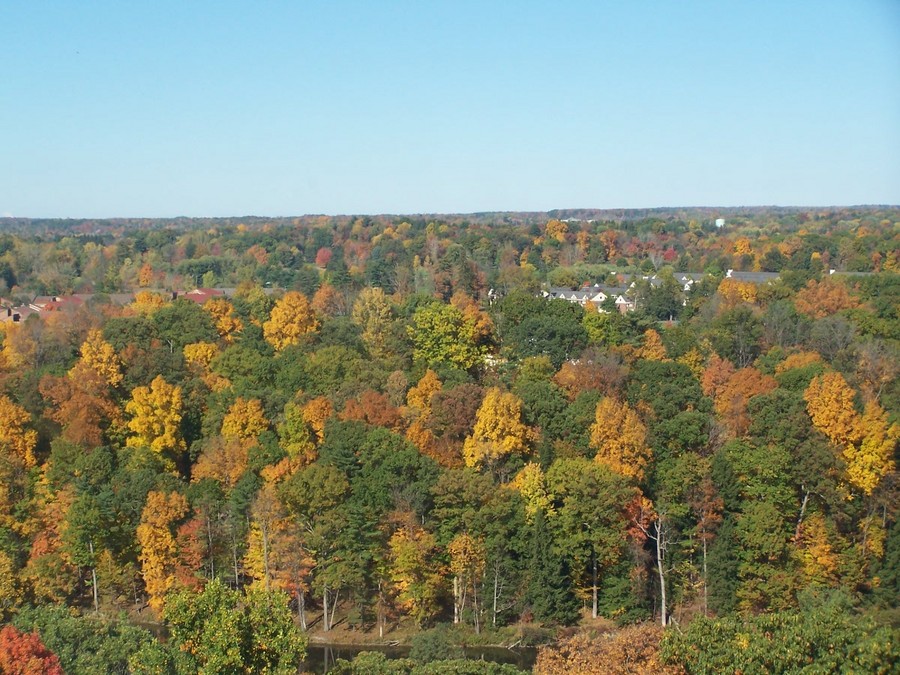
<point x="225" y="632"/>
<point x="441" y="334"/>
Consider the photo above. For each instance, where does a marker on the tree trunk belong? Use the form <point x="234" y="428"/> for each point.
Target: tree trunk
<point x="325" y="626"/>
<point x="301" y="608"/>
<point x="496" y="593"/>
<point x="475" y="607"/>
<point x="660" y="566"/>
<point x="802" y="513"/>
<point x="594" y="588"/>
<point x="334" y="605"/>
<point x="94" y="578"/>
<point x="455" y="599"/>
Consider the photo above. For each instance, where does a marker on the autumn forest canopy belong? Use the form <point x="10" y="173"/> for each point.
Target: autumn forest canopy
<point x="641" y="437"/>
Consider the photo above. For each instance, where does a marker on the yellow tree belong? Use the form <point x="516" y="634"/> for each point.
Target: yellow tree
<point x="499" y="430"/>
<point x="199" y="357"/>
<point x="872" y="458"/>
<point x="156" y="416"/>
<point x="372" y="313"/>
<point x="147" y="302"/>
<point x="227" y="323"/>
<point x="531" y="484"/>
<point x="416" y="572"/>
<point x="735" y="292"/>
<point x="158" y="546"/>
<point x="245" y="419"/>
<point x="817" y="556"/>
<point x="419" y="397"/>
<point x="829" y="401"/>
<point x="100" y="356"/>
<point x="14" y="433"/>
<point x="693" y="359"/>
<point x="290" y="320"/>
<point x="797" y="360"/>
<point x="652" y="348"/>
<point x="467" y="561"/>
<point x="317" y="412"/>
<point x="620" y="439"/>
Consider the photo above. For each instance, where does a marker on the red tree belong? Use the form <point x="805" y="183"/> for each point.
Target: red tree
<point x="25" y="654"/>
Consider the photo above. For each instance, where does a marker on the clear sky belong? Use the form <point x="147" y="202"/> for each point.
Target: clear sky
<point x="167" y="108"/>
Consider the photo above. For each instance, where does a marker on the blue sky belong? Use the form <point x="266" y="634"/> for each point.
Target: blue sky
<point x="163" y="109"/>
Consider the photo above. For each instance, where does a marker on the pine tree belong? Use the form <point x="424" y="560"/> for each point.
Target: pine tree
<point x="549" y="592"/>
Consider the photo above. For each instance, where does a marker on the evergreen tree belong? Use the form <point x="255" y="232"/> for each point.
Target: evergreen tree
<point x="549" y="591"/>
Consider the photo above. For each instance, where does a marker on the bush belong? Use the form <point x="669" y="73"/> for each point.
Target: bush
<point x="434" y="645"/>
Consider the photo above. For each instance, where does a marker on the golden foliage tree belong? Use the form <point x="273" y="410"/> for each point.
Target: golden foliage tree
<point x="199" y="357"/>
<point x="227" y="323"/>
<point x="291" y="319"/>
<point x="829" y="401"/>
<point x="156" y="535"/>
<point x="156" y="416"/>
<point x="245" y="419"/>
<point x="14" y="432"/>
<point x="147" y="303"/>
<point x="557" y="230"/>
<point x="499" y="430"/>
<point x="620" y="439"/>
<point x="798" y="360"/>
<point x="100" y="356"/>
<point x="734" y="292"/>
<point x="416" y="572"/>
<point x="317" y="412"/>
<point x="652" y="347"/>
<point x="872" y="458"/>
<point x="817" y="556"/>
<point x="467" y="562"/>
<point x="419" y="397"/>
<point x="693" y="359"/>
<point x="531" y="484"/>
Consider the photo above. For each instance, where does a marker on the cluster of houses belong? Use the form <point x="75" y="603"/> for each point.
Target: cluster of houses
<point x="623" y="292"/>
<point x="11" y="312"/>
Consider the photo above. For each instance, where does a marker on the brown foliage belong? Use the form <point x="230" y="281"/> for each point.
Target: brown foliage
<point x="375" y="409"/>
<point x="633" y="650"/>
<point x="82" y="405"/>
<point x="733" y="395"/>
<point x="823" y="298"/>
<point x="603" y="372"/>
<point x="716" y="374"/>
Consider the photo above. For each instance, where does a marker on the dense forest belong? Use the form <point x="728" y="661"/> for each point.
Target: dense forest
<point x="245" y="432"/>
